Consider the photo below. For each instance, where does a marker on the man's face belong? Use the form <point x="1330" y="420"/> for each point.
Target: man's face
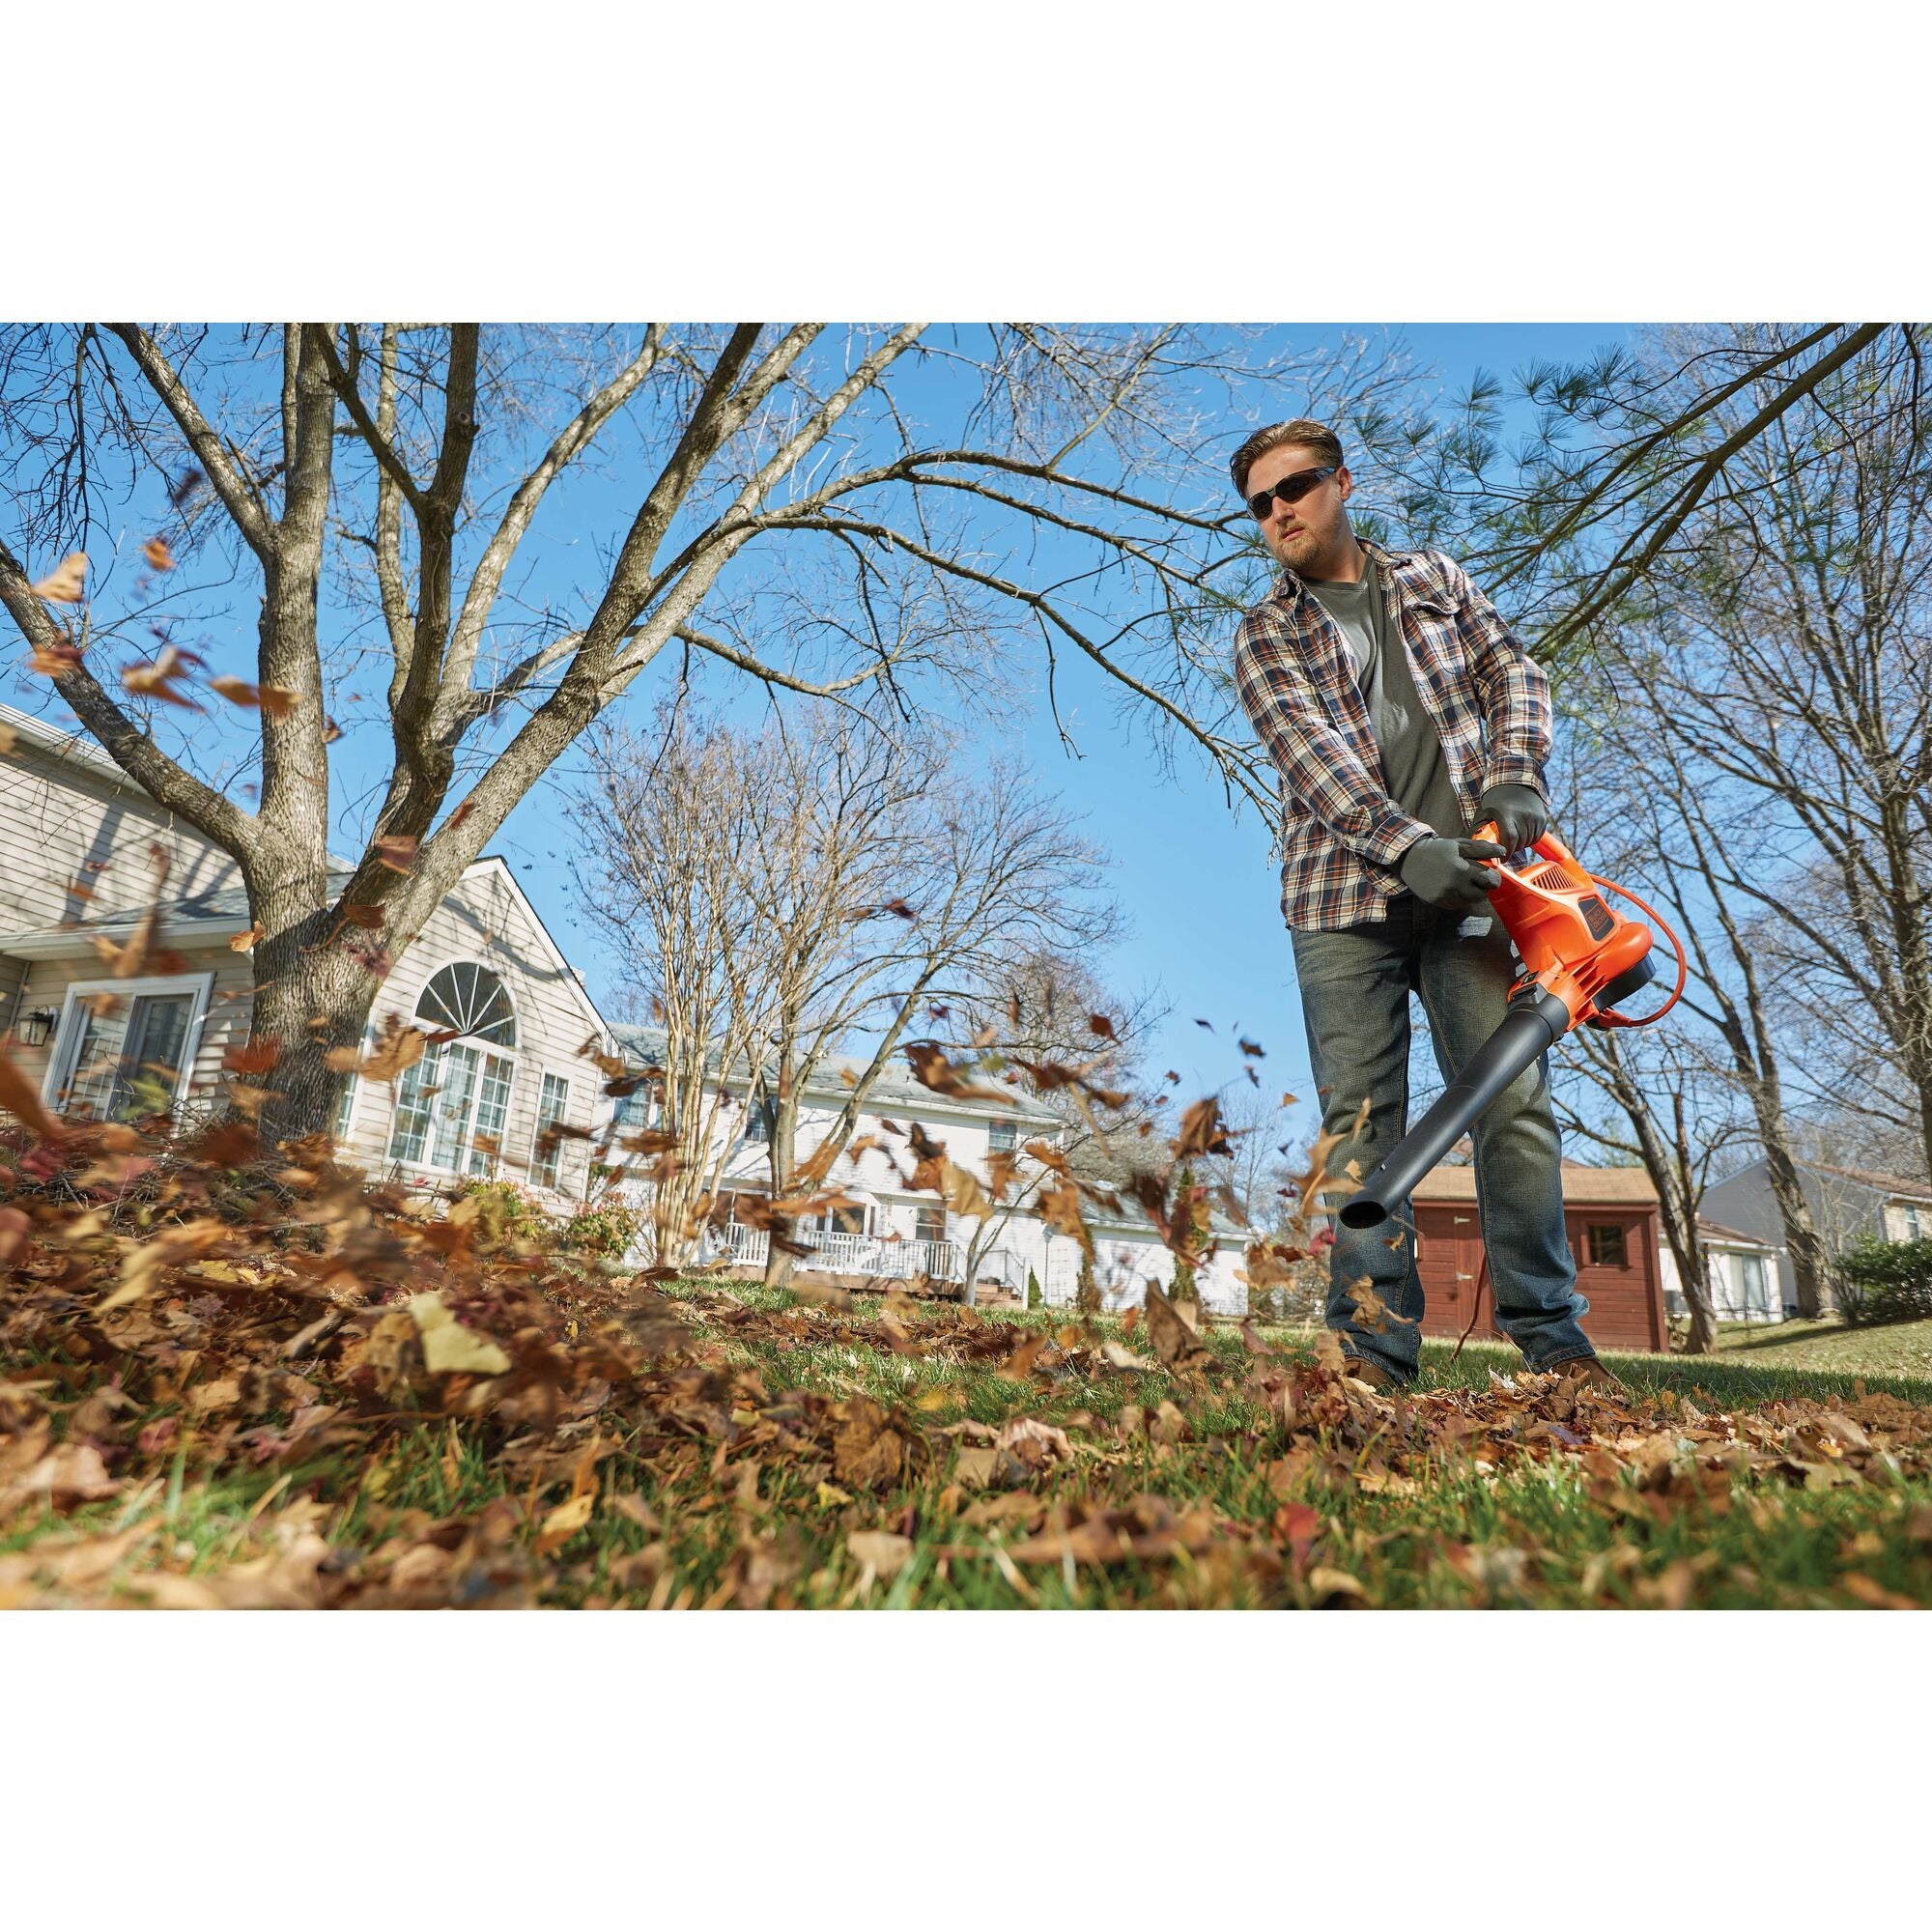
<point x="1304" y="533"/>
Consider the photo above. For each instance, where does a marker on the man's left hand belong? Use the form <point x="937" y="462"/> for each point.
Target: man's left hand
<point x="1522" y="817"/>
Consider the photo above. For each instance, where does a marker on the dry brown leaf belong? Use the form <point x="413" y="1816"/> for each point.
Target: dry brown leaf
<point x="67" y="582"/>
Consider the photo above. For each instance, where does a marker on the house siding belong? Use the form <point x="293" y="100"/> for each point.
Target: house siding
<point x="66" y="819"/>
<point x="485" y="918"/>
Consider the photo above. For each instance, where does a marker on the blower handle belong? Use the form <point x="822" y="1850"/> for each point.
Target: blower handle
<point x="1548" y="846"/>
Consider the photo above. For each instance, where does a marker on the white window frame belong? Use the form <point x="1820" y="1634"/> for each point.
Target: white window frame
<point x="545" y="1074"/>
<point x="511" y="1056"/>
<point x="66" y="1048"/>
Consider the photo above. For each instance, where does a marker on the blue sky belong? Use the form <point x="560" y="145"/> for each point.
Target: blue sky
<point x="1196" y="880"/>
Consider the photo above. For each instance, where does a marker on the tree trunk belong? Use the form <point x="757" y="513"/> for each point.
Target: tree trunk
<point x="782" y="1125"/>
<point x="312" y="996"/>
<point x="1810" y="1265"/>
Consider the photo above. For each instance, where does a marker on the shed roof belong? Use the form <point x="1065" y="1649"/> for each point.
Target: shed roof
<point x="1582" y="1186"/>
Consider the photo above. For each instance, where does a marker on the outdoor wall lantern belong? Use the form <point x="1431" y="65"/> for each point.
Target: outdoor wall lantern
<point x="35" y="1027"/>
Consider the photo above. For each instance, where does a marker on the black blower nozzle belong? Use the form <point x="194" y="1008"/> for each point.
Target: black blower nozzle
<point x="1529" y="1031"/>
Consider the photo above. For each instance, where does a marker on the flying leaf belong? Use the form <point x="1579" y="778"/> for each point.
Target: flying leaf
<point x="1100" y="1024"/>
<point x="270" y="698"/>
<point x="159" y="678"/>
<point x="159" y="557"/>
<point x="67" y="582"/>
<point x="397" y="851"/>
<point x="20" y="1098"/>
<point x="448" y="1347"/>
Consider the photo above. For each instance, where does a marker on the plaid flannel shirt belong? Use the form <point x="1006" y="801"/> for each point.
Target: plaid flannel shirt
<point x="1342" y="835"/>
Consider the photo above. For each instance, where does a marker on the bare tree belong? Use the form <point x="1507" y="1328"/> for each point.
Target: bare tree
<point x="381" y="495"/>
<point x="1644" y="807"/>
<point x="855" y="883"/>
<point x="669" y="870"/>
<point x="1625" y="454"/>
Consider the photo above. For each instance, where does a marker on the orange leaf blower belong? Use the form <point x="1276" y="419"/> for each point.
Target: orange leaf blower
<point x="1580" y="960"/>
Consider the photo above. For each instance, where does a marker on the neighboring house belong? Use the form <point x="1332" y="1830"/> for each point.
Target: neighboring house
<point x="891" y="1231"/>
<point x="1741" y="1273"/>
<point x="1846" y="1202"/>
<point x="77" y="875"/>
<point x="1611" y="1216"/>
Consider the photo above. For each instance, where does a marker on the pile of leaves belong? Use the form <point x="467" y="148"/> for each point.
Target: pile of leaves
<point x="223" y="1385"/>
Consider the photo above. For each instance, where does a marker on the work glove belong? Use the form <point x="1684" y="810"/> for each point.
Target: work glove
<point x="1520" y="814"/>
<point x="1450" y="872"/>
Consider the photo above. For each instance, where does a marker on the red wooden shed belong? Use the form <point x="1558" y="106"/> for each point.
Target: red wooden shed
<point x="1611" y="1215"/>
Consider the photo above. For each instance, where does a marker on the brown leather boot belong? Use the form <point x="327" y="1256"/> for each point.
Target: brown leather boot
<point x="1374" y="1373"/>
<point x="1592" y="1373"/>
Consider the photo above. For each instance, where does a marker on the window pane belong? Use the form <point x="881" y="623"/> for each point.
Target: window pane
<point x="493" y="1103"/>
<point x="470" y="1000"/>
<point x="129" y="1062"/>
<point x="451" y="1112"/>
<point x="1607" y="1246"/>
<point x="552" y="1105"/>
<point x="1002" y="1136"/>
<point x="411" y="1131"/>
<point x="928" y="1224"/>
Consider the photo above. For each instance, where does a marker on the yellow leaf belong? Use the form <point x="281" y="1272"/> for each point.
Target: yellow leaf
<point x="159" y="557"/>
<point x="564" y="1521"/>
<point x="64" y="584"/>
<point x="448" y="1347"/>
<point x="880" y="1551"/>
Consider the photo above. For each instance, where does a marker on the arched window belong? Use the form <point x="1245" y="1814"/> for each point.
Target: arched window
<point x="471" y="1001"/>
<point x="451" y="1105"/>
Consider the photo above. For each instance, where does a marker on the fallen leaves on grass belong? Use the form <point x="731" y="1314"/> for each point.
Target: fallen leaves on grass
<point x="389" y="1407"/>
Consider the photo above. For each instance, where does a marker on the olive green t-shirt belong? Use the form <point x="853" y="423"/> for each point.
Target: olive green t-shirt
<point x="1414" y="771"/>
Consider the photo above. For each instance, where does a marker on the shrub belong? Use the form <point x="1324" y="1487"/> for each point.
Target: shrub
<point x="1885" y="1281"/>
<point x="510" y="1214"/>
<point x="604" y="1232"/>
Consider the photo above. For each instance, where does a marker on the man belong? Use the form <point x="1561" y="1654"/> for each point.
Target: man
<point x="1400" y="712"/>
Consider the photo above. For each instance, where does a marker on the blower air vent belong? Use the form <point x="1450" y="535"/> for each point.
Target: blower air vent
<point x="1552" y="879"/>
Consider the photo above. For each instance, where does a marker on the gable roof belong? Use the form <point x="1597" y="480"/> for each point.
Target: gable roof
<point x="1733" y="1238"/>
<point x="1582" y="1186"/>
<point x="1883" y="1184"/>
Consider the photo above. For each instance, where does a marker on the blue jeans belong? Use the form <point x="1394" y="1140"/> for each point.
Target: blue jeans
<point x="1356" y="985"/>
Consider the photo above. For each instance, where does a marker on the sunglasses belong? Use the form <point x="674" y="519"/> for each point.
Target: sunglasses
<point x="1289" y="490"/>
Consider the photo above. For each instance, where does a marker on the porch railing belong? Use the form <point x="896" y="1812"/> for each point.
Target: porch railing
<point x="843" y="1253"/>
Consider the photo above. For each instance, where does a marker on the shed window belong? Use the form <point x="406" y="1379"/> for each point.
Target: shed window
<point x="1608" y="1248"/>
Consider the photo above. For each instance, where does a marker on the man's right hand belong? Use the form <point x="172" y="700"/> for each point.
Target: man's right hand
<point x="1450" y="872"/>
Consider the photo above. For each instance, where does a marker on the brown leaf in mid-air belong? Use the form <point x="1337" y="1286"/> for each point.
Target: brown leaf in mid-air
<point x="931" y="1069"/>
<point x="270" y="699"/>
<point x="67" y="582"/>
<point x="159" y="557"/>
<point x="397" y="851"/>
<point x="246" y="942"/>
<point x="1201" y="1131"/>
<point x="1172" y="1340"/>
<point x="159" y="678"/>
<point x="54" y="660"/>
<point x="1100" y="1024"/>
<point x="20" y="1096"/>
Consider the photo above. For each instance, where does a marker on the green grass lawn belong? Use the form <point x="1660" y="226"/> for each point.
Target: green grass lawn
<point x="1899" y="1349"/>
<point x="794" y="1455"/>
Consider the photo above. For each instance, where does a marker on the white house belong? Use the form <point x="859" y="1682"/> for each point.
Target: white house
<point x="1846" y="1202"/>
<point x="893" y="1231"/>
<point x="75" y="870"/>
<point x="1741" y="1273"/>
